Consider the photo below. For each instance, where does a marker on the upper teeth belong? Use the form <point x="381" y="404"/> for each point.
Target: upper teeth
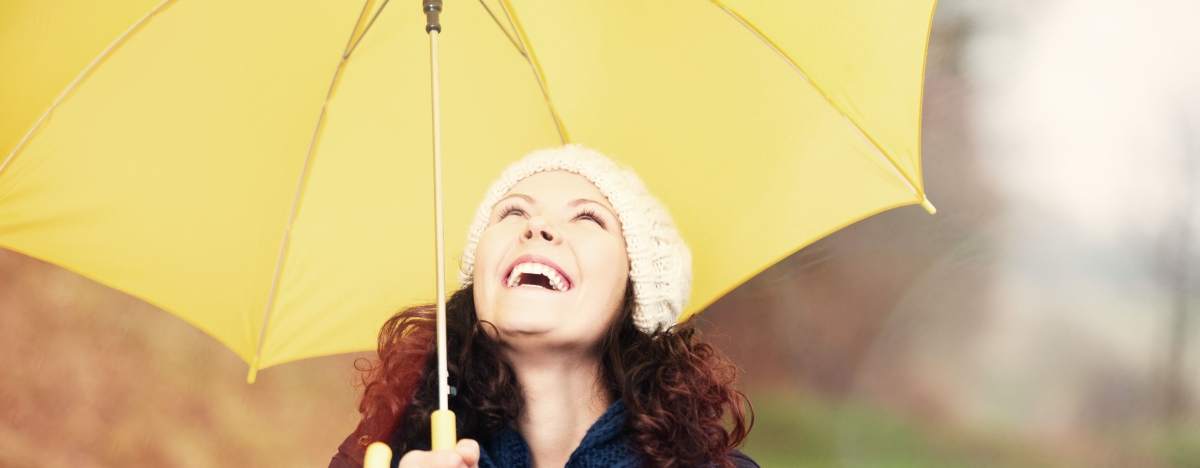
<point x="556" y="280"/>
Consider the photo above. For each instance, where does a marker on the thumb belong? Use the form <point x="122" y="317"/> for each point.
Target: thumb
<point x="469" y="451"/>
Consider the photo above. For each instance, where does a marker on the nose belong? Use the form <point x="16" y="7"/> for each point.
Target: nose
<point x="539" y="229"/>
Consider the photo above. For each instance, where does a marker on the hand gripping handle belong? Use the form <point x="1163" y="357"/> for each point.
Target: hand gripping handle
<point x="444" y="437"/>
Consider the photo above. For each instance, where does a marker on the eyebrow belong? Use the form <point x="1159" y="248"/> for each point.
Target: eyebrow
<point x="527" y="198"/>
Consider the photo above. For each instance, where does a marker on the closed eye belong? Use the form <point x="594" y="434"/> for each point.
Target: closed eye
<point x="511" y="210"/>
<point x="591" y="216"/>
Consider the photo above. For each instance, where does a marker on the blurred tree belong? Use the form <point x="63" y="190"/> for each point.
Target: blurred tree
<point x="90" y="376"/>
<point x="1179" y="263"/>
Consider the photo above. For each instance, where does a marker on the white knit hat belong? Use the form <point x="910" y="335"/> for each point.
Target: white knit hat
<point x="660" y="264"/>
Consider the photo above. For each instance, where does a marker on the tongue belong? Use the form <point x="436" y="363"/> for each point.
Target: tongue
<point x="535" y="280"/>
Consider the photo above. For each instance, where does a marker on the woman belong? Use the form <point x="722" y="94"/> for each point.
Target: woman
<point x="564" y="344"/>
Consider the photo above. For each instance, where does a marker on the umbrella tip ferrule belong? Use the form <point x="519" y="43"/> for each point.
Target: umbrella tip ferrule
<point x="433" y="9"/>
<point x="928" y="206"/>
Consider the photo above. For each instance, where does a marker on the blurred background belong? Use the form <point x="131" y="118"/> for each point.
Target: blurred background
<point x="1045" y="317"/>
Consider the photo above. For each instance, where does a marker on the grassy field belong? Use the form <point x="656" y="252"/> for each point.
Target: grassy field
<point x="792" y="430"/>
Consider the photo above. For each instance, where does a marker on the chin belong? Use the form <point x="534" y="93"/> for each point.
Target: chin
<point x="523" y="323"/>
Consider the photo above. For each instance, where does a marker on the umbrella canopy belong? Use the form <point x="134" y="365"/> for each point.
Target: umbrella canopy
<point x="261" y="169"/>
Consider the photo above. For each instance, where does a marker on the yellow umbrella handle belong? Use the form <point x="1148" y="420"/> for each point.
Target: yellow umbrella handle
<point x="379" y="455"/>
<point x="444" y="435"/>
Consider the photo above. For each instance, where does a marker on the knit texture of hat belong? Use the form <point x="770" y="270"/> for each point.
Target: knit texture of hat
<point x="660" y="264"/>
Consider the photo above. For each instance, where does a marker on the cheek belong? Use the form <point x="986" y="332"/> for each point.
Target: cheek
<point x="606" y="263"/>
<point x="483" y="307"/>
<point x="488" y="255"/>
<point x="618" y="273"/>
<point x="608" y="258"/>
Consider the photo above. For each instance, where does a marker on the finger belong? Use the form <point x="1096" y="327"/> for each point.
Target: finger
<point x="432" y="459"/>
<point x="412" y="459"/>
<point x="469" y="450"/>
<point x="445" y="459"/>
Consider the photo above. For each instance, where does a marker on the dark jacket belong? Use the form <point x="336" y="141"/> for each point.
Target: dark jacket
<point x="604" y="446"/>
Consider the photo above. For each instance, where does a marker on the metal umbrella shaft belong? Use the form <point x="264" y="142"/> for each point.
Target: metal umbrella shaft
<point x="442" y="422"/>
<point x="443" y="435"/>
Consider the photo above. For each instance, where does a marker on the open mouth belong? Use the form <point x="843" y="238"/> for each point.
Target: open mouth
<point x="532" y="274"/>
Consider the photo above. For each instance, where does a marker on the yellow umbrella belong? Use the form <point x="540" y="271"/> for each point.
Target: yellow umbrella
<point x="261" y="169"/>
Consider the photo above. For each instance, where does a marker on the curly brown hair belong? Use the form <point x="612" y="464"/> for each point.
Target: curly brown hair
<point x="679" y="389"/>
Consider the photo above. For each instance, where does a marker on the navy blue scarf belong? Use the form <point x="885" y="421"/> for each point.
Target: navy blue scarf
<point x="604" y="446"/>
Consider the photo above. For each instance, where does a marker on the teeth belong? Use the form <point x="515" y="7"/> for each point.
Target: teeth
<point x="556" y="281"/>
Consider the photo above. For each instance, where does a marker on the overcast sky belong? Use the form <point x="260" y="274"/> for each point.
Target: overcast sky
<point x="1083" y="106"/>
<point x="1082" y="111"/>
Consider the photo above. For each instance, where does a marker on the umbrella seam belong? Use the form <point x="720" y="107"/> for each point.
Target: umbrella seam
<point x="287" y="233"/>
<point x="531" y="57"/>
<point x="79" y="79"/>
<point x="746" y="23"/>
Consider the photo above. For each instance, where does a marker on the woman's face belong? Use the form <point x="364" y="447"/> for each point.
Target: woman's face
<point x="551" y="267"/>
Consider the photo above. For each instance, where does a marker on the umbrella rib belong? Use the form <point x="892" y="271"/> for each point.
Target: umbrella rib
<point x="79" y="79"/>
<point x="908" y="181"/>
<point x="511" y="39"/>
<point x="287" y="232"/>
<point x="359" y="38"/>
<point x="508" y="18"/>
<point x="531" y="57"/>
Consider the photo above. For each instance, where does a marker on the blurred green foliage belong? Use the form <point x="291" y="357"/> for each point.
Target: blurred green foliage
<point x="1181" y="446"/>
<point x="794" y="430"/>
